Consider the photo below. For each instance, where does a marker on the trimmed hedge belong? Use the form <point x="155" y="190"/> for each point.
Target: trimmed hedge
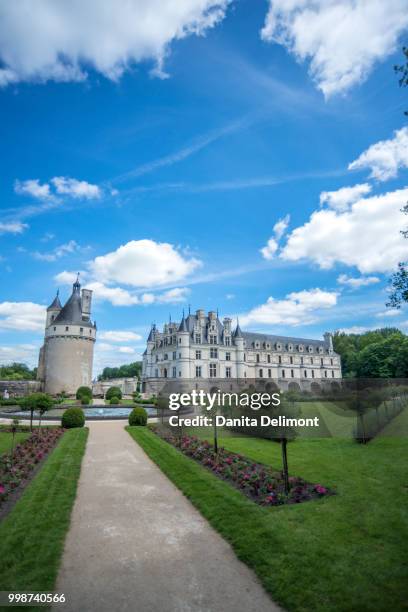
<point x="113" y="392"/>
<point x="114" y="400"/>
<point x="85" y="400"/>
<point x="83" y="392"/>
<point x="73" y="417"/>
<point x="138" y="416"/>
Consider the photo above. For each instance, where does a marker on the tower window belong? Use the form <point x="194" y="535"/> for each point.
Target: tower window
<point x="81" y="330"/>
<point x="55" y="329"/>
<point x="291" y="359"/>
<point x="283" y="373"/>
<point x="312" y="373"/>
<point x="67" y="328"/>
<point x="280" y="359"/>
<point x="292" y="373"/>
<point x="269" y="373"/>
<point x="198" y="338"/>
<point x="269" y="358"/>
<point x="305" y="373"/>
<point x="261" y="373"/>
<point x="257" y="358"/>
<point x="227" y="372"/>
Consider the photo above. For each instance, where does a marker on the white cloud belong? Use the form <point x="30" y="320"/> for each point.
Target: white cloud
<point x="68" y="278"/>
<point x="366" y="236"/>
<point x="58" y="41"/>
<point x="297" y="308"/>
<point x="58" y="252"/>
<point x="127" y="349"/>
<point x="143" y="263"/>
<point x="356" y="282"/>
<point x="22" y="353"/>
<point x="230" y="296"/>
<point x="385" y="157"/>
<point x="392" y="312"/>
<point x="33" y="188"/>
<point x="270" y="249"/>
<point x="76" y="189"/>
<point x="343" y="39"/>
<point x="117" y="296"/>
<point x="58" y="186"/>
<point x="22" y="316"/>
<point x="356" y="329"/>
<point x="174" y="296"/>
<point x="119" y="336"/>
<point x="272" y="245"/>
<point x="344" y="197"/>
<point x="12" y="227"/>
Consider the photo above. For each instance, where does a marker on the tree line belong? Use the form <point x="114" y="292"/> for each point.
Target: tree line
<point x="382" y="353"/>
<point x="127" y="370"/>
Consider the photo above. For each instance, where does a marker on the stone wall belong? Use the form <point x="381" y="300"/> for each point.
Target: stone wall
<point x="17" y="388"/>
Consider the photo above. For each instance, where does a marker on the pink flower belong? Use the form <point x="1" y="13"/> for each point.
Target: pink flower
<point x="2" y="489"/>
<point x="321" y="490"/>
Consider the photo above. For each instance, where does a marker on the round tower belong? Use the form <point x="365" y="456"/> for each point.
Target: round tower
<point x="70" y="335"/>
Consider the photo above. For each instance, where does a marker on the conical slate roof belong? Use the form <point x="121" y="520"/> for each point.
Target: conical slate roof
<point x="238" y="332"/>
<point x="71" y="313"/>
<point x="56" y="304"/>
<point x="183" y="325"/>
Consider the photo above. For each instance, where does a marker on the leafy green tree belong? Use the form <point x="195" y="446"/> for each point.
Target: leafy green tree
<point x="399" y="280"/>
<point x="128" y="370"/>
<point x="40" y="402"/>
<point x="17" y="371"/>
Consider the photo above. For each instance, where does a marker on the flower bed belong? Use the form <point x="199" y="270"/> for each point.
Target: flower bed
<point x="259" y="482"/>
<point x="16" y="470"/>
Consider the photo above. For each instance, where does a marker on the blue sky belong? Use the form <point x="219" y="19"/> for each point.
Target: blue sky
<point x="164" y="192"/>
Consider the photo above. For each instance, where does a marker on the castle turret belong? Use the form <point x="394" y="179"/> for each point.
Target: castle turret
<point x="239" y="343"/>
<point x="184" y="349"/>
<point x="53" y="310"/>
<point x="66" y="357"/>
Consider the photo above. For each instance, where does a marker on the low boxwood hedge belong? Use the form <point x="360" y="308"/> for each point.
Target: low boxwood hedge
<point x="138" y="416"/>
<point x="73" y="417"/>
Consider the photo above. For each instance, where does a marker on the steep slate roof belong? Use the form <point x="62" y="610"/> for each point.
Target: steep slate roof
<point x="71" y="313"/>
<point x="251" y="337"/>
<point x="238" y="332"/>
<point x="56" y="304"/>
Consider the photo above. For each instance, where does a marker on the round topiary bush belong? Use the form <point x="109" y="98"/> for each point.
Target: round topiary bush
<point x="138" y="416"/>
<point x="113" y="392"/>
<point x="114" y="400"/>
<point x="73" y="417"/>
<point x="83" y="391"/>
<point x="85" y="400"/>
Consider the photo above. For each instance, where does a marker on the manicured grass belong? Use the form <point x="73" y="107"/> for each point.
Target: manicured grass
<point x="32" y="535"/>
<point x="6" y="440"/>
<point x="343" y="552"/>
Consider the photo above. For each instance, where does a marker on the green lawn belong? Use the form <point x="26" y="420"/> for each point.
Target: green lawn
<point x="32" y="535"/>
<point x="343" y="552"/>
<point x="6" y="440"/>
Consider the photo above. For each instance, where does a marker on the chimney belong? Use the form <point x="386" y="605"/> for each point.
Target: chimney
<point x="86" y="302"/>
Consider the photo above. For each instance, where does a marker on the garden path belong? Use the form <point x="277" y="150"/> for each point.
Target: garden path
<point x="137" y="544"/>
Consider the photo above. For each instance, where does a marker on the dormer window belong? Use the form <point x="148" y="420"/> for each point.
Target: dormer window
<point x="300" y="347"/>
<point x="257" y="345"/>
<point x="278" y="346"/>
<point x="290" y="347"/>
<point x="310" y="349"/>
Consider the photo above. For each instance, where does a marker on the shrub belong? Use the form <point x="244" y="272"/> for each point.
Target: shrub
<point x="73" y="417"/>
<point x="114" y="400"/>
<point x="113" y="392"/>
<point x="85" y="400"/>
<point x="83" y="391"/>
<point x="138" y="416"/>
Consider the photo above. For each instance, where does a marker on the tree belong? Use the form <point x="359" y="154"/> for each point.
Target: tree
<point x="17" y="371"/>
<point x="128" y="370"/>
<point x="36" y="401"/>
<point x="399" y="280"/>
